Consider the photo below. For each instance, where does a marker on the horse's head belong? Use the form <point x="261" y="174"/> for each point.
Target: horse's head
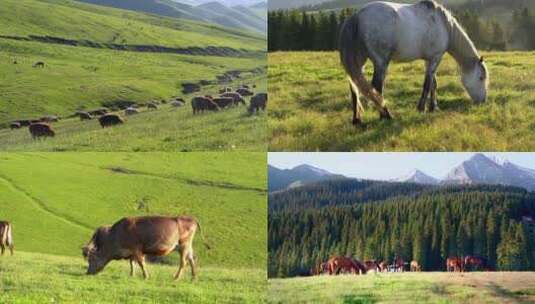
<point x="475" y="79"/>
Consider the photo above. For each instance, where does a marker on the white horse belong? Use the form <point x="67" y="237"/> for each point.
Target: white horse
<point x="384" y="31"/>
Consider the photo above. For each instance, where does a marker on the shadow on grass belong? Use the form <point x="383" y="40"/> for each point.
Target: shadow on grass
<point x="505" y="293"/>
<point x="359" y="299"/>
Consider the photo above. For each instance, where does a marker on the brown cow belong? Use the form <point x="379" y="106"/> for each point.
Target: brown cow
<point x="134" y="237"/>
<point x="415" y="266"/>
<point x="258" y="102"/>
<point x="41" y="129"/>
<point x="244" y="92"/>
<point x="238" y="99"/>
<point x="372" y="265"/>
<point x="223" y="102"/>
<point x="109" y="120"/>
<point x="202" y="103"/>
<point x="6" y="237"/>
<point x="454" y="264"/>
<point x="14" y="125"/>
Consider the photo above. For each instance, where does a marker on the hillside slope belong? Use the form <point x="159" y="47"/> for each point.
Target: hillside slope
<point x="73" y="193"/>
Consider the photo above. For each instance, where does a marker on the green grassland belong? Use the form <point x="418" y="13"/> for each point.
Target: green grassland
<point x="77" y="77"/>
<point x="56" y="200"/>
<point x="430" y="287"/>
<point x="310" y="107"/>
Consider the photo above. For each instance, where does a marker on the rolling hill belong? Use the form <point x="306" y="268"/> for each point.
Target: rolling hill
<point x="233" y="16"/>
<point x="55" y="209"/>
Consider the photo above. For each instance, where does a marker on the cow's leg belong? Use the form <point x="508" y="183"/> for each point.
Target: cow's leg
<point x="183" y="259"/>
<point x="192" y="264"/>
<point x="132" y="267"/>
<point x="140" y="259"/>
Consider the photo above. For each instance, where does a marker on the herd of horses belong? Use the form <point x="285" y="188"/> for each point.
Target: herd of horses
<point x="347" y="265"/>
<point x="42" y="127"/>
<point x="132" y="239"/>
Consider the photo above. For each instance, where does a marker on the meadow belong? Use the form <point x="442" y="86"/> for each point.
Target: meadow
<point x="310" y="107"/>
<point x="424" y="287"/>
<point x="55" y="209"/>
<point x="83" y="77"/>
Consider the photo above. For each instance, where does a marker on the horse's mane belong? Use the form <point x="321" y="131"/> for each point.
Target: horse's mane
<point x="461" y="47"/>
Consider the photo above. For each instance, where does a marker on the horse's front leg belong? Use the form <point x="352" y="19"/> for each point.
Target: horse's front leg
<point x="431" y="68"/>
<point x="433" y="105"/>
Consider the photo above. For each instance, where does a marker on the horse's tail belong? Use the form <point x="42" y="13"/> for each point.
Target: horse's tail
<point x="202" y="236"/>
<point x="349" y="42"/>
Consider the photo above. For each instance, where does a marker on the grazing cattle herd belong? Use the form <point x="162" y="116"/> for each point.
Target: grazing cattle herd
<point x="347" y="265"/>
<point x="132" y="238"/>
<point x="42" y="127"/>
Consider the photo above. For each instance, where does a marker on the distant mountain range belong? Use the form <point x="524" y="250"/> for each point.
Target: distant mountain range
<point x="243" y="15"/>
<point x="479" y="169"/>
<point x="280" y="179"/>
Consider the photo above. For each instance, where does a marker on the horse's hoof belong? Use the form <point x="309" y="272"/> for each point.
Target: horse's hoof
<point x="385" y="114"/>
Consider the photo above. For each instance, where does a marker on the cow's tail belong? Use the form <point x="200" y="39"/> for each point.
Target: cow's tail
<point x="202" y="236"/>
<point x="348" y="43"/>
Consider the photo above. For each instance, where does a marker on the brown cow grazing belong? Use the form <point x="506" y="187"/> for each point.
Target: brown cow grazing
<point x="223" y="102"/>
<point x="109" y="120"/>
<point x="41" y="129"/>
<point x="454" y="264"/>
<point x="258" y="102"/>
<point x="6" y="237"/>
<point x="372" y="265"/>
<point x="238" y="99"/>
<point x="134" y="237"/>
<point x="39" y="64"/>
<point x="472" y="263"/>
<point x="152" y="106"/>
<point x="84" y="115"/>
<point x="415" y="266"/>
<point x="244" y="92"/>
<point x="201" y="103"/>
<point x="14" y="125"/>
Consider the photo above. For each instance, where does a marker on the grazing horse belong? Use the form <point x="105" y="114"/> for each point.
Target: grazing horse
<point x="384" y="31"/>
<point x="415" y="266"/>
<point x="383" y="266"/>
<point x="399" y="264"/>
<point x="372" y="265"/>
<point x="454" y="264"/>
<point x="475" y="263"/>
<point x="340" y="264"/>
<point x="39" y="64"/>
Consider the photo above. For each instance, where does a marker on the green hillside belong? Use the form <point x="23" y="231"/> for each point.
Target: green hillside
<point x="56" y="207"/>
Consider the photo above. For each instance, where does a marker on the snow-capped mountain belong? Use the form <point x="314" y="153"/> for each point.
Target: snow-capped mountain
<point x="481" y="169"/>
<point x="419" y="177"/>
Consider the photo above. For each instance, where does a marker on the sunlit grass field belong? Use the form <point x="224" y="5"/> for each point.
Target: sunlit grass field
<point x="310" y="107"/>
<point x="425" y="287"/>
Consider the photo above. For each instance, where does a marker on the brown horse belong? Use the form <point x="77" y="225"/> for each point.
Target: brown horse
<point x="415" y="266"/>
<point x="475" y="263"/>
<point x="383" y="266"/>
<point x="454" y="264"/>
<point x="399" y="264"/>
<point x="340" y="264"/>
<point x="372" y="265"/>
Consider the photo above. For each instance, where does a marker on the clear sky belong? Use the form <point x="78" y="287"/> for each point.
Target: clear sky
<point x="386" y="166"/>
